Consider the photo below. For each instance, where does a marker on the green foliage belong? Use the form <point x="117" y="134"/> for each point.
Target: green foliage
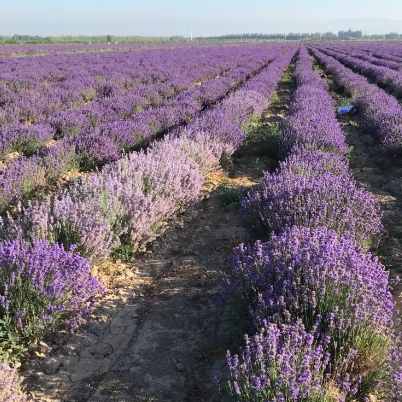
<point x="274" y="99"/>
<point x="229" y="192"/>
<point x="343" y="101"/>
<point x="123" y="252"/>
<point x="264" y="140"/>
<point x="349" y="152"/>
<point x="88" y="94"/>
<point x="12" y="348"/>
<point x="69" y="164"/>
<point x="28" y="300"/>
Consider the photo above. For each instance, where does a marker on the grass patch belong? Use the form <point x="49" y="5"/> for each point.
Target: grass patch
<point x="274" y="99"/>
<point x="124" y="252"/>
<point x="263" y="140"/>
<point x="349" y="152"/>
<point x="230" y="192"/>
<point x="343" y="101"/>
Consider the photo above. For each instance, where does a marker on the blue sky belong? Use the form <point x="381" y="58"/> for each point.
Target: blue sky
<point x="205" y="17"/>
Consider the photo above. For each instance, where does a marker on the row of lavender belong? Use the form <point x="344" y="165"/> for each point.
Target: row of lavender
<point x="48" y="90"/>
<point x="363" y="55"/>
<point x="380" y="114"/>
<point x="37" y="50"/>
<point x="381" y="74"/>
<point x="70" y="81"/>
<point x="42" y="286"/>
<point x="383" y="50"/>
<point x="321" y="304"/>
<point x="31" y="50"/>
<point x="85" y="145"/>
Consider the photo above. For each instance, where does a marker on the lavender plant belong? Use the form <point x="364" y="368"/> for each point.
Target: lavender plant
<point x="379" y="113"/>
<point x="94" y="150"/>
<point x="19" y="178"/>
<point x="338" y="291"/>
<point x="24" y="139"/>
<point x="305" y="161"/>
<point x="311" y="120"/>
<point x="282" y="200"/>
<point x="280" y="363"/>
<point x="42" y="288"/>
<point x="58" y="160"/>
<point x="104" y="115"/>
<point x="312" y="285"/>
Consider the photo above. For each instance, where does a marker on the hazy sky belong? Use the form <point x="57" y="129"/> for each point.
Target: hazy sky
<point x="205" y="17"/>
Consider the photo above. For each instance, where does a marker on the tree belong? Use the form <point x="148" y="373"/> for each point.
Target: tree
<point x="109" y="38"/>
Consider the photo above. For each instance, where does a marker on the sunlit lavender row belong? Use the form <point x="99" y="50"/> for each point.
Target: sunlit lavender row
<point x="126" y="205"/>
<point x="380" y="71"/>
<point x="146" y="128"/>
<point x="31" y="50"/>
<point x="379" y="113"/>
<point x="118" y="118"/>
<point x="320" y="305"/>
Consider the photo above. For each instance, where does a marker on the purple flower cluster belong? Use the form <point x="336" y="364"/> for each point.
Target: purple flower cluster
<point x="323" y="303"/>
<point x="10" y="385"/>
<point x="94" y="150"/>
<point x="365" y="53"/>
<point x="306" y="123"/>
<point x="316" y="195"/>
<point x="282" y="200"/>
<point x="57" y="160"/>
<point x="380" y="113"/>
<point x="280" y="363"/>
<point x="134" y="197"/>
<point x="311" y="273"/>
<point x="306" y="162"/>
<point x="21" y="177"/>
<point x="341" y="295"/>
<point x="24" y="139"/>
<point x="42" y="287"/>
<point x="118" y="102"/>
<point x="380" y="71"/>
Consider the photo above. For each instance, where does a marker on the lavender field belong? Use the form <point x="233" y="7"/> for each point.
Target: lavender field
<point x="196" y="222"/>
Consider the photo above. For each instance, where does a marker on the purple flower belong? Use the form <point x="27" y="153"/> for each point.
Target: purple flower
<point x="44" y="287"/>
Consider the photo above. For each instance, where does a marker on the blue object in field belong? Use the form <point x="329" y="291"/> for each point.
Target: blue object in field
<point x="346" y="109"/>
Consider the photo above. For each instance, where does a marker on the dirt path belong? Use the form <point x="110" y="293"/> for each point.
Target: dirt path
<point x="158" y="335"/>
<point x="382" y="176"/>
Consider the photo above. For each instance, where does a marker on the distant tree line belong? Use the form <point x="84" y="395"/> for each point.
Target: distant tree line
<point x="83" y="39"/>
<point x="272" y="36"/>
<point x="342" y="35"/>
<point x="389" y="36"/>
<point x="350" y="34"/>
